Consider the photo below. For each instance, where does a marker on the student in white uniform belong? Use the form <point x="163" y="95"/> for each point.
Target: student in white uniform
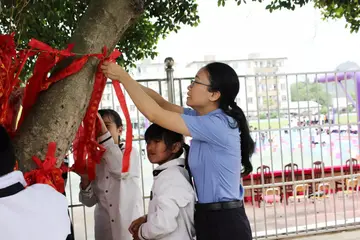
<point x="36" y="212"/>
<point x="172" y="199"/>
<point x="117" y="195"/>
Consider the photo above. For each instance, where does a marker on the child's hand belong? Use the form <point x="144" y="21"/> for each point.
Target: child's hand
<point x="135" y="225"/>
<point x="103" y="126"/>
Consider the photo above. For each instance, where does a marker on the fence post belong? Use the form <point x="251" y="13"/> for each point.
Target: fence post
<point x="169" y="63"/>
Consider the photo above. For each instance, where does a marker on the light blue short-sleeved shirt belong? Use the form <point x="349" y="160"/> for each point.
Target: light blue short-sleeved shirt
<point x="215" y="156"/>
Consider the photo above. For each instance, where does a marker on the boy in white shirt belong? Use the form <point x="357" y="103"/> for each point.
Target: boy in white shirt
<point x="36" y="212"/>
<point x="171" y="208"/>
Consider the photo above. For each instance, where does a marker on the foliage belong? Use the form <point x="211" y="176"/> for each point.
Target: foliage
<point x="274" y="115"/>
<point x="324" y="110"/>
<point x="268" y="103"/>
<point x="262" y="116"/>
<point x="54" y="21"/>
<point x="350" y="108"/>
<point x="334" y="9"/>
<point x="307" y="91"/>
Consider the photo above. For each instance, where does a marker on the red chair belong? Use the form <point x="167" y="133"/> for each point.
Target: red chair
<point x="351" y="167"/>
<point x="265" y="178"/>
<point x="289" y="176"/>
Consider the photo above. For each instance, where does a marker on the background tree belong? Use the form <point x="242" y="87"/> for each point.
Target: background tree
<point x="307" y="91"/>
<point x="268" y="103"/>
<point x="135" y="26"/>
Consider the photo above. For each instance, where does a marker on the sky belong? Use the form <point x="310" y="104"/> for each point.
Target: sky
<point x="232" y="32"/>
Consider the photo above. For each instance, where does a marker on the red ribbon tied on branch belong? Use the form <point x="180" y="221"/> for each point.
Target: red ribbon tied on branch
<point x="87" y="152"/>
<point x="46" y="172"/>
<point x="11" y="64"/>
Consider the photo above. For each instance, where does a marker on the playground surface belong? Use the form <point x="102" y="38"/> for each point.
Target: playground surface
<point x="346" y="235"/>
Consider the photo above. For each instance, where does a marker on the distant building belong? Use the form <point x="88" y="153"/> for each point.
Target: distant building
<point x="261" y="89"/>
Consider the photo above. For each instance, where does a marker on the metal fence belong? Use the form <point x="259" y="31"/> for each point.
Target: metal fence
<point x="306" y="164"/>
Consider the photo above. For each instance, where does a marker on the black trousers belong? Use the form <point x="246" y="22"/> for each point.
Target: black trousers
<point x="224" y="224"/>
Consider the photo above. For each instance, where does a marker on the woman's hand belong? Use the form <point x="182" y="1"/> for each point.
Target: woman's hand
<point x="114" y="71"/>
<point x="135" y="225"/>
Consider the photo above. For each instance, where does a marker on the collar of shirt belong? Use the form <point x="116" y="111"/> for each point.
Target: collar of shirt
<point x="122" y="146"/>
<point x="171" y="163"/>
<point x="218" y="110"/>
<point x="12" y="178"/>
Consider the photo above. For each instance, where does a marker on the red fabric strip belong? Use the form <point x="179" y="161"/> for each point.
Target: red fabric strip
<point x="128" y="141"/>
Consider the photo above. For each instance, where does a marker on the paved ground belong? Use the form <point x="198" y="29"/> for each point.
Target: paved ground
<point x="348" y="235"/>
<point x="335" y="211"/>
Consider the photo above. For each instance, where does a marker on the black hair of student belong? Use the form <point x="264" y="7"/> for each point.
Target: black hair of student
<point x="224" y="79"/>
<point x="113" y="115"/>
<point x="7" y="153"/>
<point x="155" y="132"/>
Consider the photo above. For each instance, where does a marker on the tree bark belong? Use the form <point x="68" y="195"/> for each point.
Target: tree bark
<point x="58" y="112"/>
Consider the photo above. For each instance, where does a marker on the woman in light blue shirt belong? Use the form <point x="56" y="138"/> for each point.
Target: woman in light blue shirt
<point x="221" y="144"/>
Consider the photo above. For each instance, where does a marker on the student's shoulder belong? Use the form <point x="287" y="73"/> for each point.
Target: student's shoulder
<point x="175" y="177"/>
<point x="47" y="193"/>
<point x="173" y="185"/>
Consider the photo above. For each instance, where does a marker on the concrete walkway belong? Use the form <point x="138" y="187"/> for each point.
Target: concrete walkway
<point x="348" y="235"/>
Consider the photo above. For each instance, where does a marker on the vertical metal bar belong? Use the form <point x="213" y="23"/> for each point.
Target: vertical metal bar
<point x="292" y="159"/>
<point x="141" y="160"/>
<point x="71" y="199"/>
<point x="349" y="141"/>
<point x="169" y="63"/>
<point x="282" y="165"/>
<point x="269" y="137"/>
<point x="280" y="136"/>
<point x="251" y="176"/>
<point x="331" y="151"/>
<point x="112" y="95"/>
<point x="311" y="154"/>
<point x="339" y="136"/>
<point x="258" y="120"/>
<point x="85" y="225"/>
<point x="271" y="149"/>
<point x="302" y="156"/>
<point x="321" y="157"/>
<point x="180" y="90"/>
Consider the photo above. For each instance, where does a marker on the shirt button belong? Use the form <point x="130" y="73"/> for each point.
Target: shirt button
<point x="107" y="177"/>
<point x="106" y="191"/>
<point x="112" y="220"/>
<point x="110" y="205"/>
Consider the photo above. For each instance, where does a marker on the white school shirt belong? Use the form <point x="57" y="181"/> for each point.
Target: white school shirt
<point x="171" y="208"/>
<point x="38" y="212"/>
<point x="117" y="196"/>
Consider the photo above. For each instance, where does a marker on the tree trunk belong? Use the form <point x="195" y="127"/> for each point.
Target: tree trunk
<point x="58" y="112"/>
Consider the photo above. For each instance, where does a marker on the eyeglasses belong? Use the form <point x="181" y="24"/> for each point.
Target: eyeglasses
<point x="192" y="83"/>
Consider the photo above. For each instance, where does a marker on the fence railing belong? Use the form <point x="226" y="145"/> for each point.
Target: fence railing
<point x="307" y="139"/>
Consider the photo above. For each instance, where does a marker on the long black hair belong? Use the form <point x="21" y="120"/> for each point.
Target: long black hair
<point x="224" y="79"/>
<point x="155" y="132"/>
<point x="7" y="153"/>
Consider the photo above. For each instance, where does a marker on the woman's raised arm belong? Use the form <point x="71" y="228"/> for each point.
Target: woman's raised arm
<point x="148" y="106"/>
<point x="161" y="101"/>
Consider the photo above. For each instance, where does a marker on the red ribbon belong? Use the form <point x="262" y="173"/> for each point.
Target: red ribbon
<point x="11" y="64"/>
<point x="128" y="141"/>
<point x="46" y="171"/>
<point x="46" y="61"/>
<point x="87" y="152"/>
